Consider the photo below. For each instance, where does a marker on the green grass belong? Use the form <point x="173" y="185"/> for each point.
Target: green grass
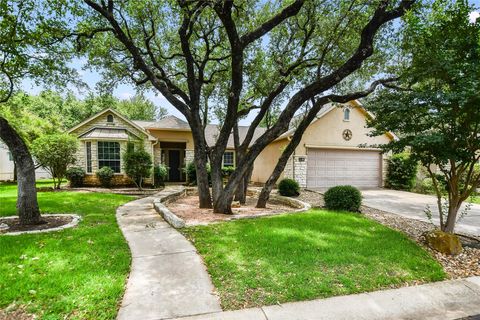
<point x="76" y="273"/>
<point x="305" y="256"/>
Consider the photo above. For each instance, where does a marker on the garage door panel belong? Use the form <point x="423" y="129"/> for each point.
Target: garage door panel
<point x="327" y="168"/>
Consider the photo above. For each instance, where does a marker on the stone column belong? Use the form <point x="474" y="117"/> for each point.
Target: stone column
<point x="189" y="156"/>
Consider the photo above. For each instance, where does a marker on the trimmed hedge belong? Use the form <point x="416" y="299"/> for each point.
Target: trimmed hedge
<point x="402" y="172"/>
<point x="160" y="174"/>
<point x="345" y="198"/>
<point x="289" y="188"/>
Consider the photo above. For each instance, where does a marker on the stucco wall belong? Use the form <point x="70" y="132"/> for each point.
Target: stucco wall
<point x="327" y="131"/>
<point x="266" y="161"/>
<point x="173" y="136"/>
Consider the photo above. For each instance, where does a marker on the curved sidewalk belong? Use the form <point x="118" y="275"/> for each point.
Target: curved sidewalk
<point x="168" y="278"/>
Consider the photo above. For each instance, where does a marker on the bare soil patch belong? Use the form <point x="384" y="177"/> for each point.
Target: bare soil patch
<point x="48" y="222"/>
<point x="187" y="209"/>
<point x="13" y="312"/>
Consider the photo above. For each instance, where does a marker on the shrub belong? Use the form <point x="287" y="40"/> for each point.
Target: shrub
<point x="289" y="188"/>
<point x="75" y="175"/>
<point x="105" y="175"/>
<point x="55" y="152"/>
<point x="401" y="172"/>
<point x="191" y="173"/>
<point x="227" y="171"/>
<point x="137" y="164"/>
<point x="347" y="198"/>
<point x="160" y="174"/>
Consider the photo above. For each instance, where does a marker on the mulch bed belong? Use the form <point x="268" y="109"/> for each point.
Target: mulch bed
<point x="187" y="209"/>
<point x="465" y="264"/>
<point x="48" y="222"/>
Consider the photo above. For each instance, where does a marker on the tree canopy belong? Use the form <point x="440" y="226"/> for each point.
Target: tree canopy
<point x="434" y="107"/>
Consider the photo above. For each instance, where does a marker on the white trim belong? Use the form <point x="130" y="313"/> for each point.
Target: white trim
<point x="310" y="146"/>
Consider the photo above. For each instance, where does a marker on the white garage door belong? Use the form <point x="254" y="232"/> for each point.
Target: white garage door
<point x="327" y="168"/>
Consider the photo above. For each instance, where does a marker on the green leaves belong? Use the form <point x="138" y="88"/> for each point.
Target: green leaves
<point x="55" y="153"/>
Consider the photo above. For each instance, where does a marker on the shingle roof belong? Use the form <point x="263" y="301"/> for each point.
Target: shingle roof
<point x="211" y="131"/>
<point x="168" y="122"/>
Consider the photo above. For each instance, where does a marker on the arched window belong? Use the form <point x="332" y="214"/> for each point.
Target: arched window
<point x="110" y="118"/>
<point x="346" y="114"/>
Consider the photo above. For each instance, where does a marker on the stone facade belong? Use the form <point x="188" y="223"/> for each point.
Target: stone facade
<point x="189" y="156"/>
<point x="296" y="169"/>
<point x="101" y="122"/>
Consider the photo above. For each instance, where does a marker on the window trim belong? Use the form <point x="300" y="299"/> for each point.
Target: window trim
<point x="233" y="158"/>
<point x="88" y="157"/>
<point x="110" y="160"/>
<point x="110" y="118"/>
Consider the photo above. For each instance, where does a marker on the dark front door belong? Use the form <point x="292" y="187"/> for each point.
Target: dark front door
<point x="174" y="165"/>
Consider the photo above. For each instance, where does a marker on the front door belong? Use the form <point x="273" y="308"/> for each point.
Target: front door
<point x="174" y="165"/>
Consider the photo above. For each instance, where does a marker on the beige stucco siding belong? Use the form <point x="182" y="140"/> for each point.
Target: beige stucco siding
<point x="173" y="136"/>
<point x="327" y="131"/>
<point x="266" y="161"/>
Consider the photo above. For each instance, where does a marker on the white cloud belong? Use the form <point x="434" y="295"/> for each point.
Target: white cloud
<point x="473" y="16"/>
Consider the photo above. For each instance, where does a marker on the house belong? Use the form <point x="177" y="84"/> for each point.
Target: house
<point x="7" y="166"/>
<point x="333" y="151"/>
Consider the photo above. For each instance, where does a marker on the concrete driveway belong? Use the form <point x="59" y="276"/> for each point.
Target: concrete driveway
<point x="412" y="205"/>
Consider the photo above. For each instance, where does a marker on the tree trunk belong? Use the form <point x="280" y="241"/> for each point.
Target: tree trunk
<point x="27" y="205"/>
<point x="453" y="207"/>
<point x="282" y="162"/>
<point x="203" y="187"/>
<point x="200" y="158"/>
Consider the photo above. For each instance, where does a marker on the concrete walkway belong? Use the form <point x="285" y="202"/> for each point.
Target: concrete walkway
<point x="167" y="278"/>
<point x="443" y="300"/>
<point x="412" y="205"/>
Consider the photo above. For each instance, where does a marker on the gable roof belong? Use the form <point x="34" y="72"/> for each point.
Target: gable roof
<point x="116" y="113"/>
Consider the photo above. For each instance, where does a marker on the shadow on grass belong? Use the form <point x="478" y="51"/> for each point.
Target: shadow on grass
<point x="305" y="256"/>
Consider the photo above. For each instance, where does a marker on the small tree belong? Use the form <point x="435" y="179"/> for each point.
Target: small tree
<point x="435" y="107"/>
<point x="137" y="164"/>
<point x="55" y="153"/>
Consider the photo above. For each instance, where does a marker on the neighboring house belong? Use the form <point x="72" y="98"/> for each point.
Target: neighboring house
<point x="329" y="153"/>
<point x="7" y="166"/>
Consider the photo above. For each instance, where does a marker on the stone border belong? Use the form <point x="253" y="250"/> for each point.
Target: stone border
<point x="75" y="220"/>
<point x="169" y="216"/>
<point x="178" y="223"/>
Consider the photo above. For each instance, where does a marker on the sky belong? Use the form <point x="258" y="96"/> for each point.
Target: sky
<point x="125" y="91"/>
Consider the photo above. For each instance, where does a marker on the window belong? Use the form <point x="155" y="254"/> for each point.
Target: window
<point x="110" y="118"/>
<point x="346" y="114"/>
<point x="109" y="155"/>
<point x="88" y="150"/>
<point x="10" y="157"/>
<point x="228" y="159"/>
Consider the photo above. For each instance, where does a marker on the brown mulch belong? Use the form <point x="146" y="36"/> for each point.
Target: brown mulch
<point x="48" y="222"/>
<point x="187" y="209"/>
<point x="465" y="264"/>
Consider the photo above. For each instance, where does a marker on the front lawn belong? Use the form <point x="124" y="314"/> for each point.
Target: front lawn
<point x="305" y="256"/>
<point x="76" y="273"/>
